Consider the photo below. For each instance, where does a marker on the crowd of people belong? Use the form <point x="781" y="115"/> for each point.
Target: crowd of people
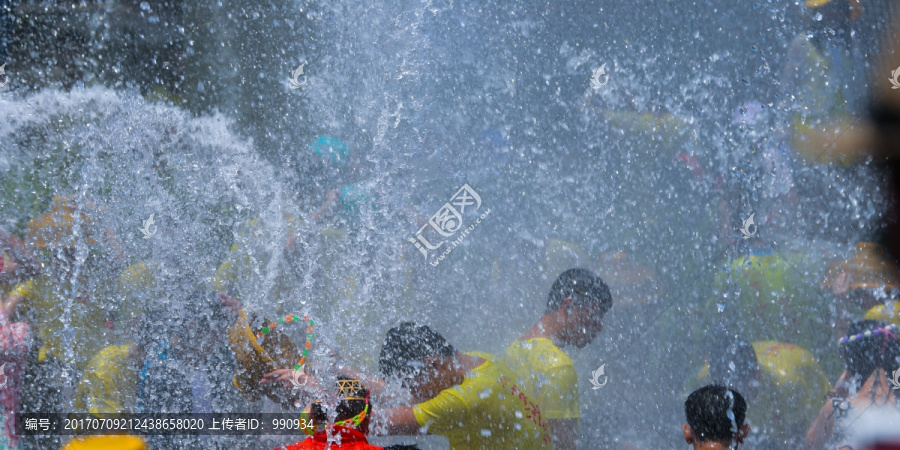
<point x="527" y="397"/>
<point x="769" y="386"/>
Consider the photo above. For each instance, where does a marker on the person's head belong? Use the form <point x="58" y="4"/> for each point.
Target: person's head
<point x="870" y="345"/>
<point x="353" y="409"/>
<point x="715" y="414"/>
<point x="420" y="357"/>
<point x="580" y="299"/>
<point x="734" y="364"/>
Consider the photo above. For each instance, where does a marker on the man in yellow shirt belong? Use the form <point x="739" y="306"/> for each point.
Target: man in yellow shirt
<point x="577" y="302"/>
<point x="472" y="399"/>
<point x="783" y="383"/>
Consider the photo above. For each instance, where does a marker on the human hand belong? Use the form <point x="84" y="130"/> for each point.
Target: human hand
<point x="842" y="385"/>
<point x="230" y="304"/>
<point x="10" y="303"/>
<point x="290" y="378"/>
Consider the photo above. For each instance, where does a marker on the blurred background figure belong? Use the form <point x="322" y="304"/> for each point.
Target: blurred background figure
<point x="823" y="74"/>
<point x="179" y="365"/>
<point x="866" y="393"/>
<point x="18" y="262"/>
<point x="867" y="284"/>
<point x="15" y="340"/>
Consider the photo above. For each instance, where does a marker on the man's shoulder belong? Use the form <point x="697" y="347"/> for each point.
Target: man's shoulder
<point x="538" y="353"/>
<point x="492" y="368"/>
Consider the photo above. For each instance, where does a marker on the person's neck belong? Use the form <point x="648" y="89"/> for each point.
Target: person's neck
<point x="464" y="364"/>
<point x="546" y="327"/>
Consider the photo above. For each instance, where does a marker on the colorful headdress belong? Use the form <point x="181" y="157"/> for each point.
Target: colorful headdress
<point x="886" y="331"/>
<point x="350" y="390"/>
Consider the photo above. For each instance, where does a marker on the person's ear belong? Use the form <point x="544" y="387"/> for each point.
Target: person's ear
<point x="437" y="363"/>
<point x="742" y="433"/>
<point x="688" y="433"/>
<point x="431" y="361"/>
<point x="567" y="303"/>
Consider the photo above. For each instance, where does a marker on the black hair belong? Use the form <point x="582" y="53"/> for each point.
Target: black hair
<point x="407" y="345"/>
<point x="865" y="354"/>
<point x="583" y="286"/>
<point x="708" y="410"/>
<point x="732" y="363"/>
<point x="346" y="409"/>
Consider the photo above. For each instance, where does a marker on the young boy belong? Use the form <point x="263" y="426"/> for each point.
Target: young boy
<point x="715" y="417"/>
<point x="472" y="399"/>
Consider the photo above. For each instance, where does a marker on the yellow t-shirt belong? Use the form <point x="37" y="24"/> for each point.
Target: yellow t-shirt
<point x="108" y="385"/>
<point x="43" y="300"/>
<point x="487" y="410"/>
<point x="43" y="308"/>
<point x="542" y="368"/>
<point x="792" y="389"/>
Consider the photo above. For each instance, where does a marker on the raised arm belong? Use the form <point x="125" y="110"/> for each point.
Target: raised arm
<point x="398" y="421"/>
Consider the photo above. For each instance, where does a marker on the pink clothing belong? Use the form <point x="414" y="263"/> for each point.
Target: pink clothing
<point x="15" y="338"/>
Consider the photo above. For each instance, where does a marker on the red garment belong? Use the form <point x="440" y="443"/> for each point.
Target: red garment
<point x="350" y="440"/>
<point x="14" y="341"/>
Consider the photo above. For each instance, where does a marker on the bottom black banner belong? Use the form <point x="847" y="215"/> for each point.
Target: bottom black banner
<point x="165" y="424"/>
